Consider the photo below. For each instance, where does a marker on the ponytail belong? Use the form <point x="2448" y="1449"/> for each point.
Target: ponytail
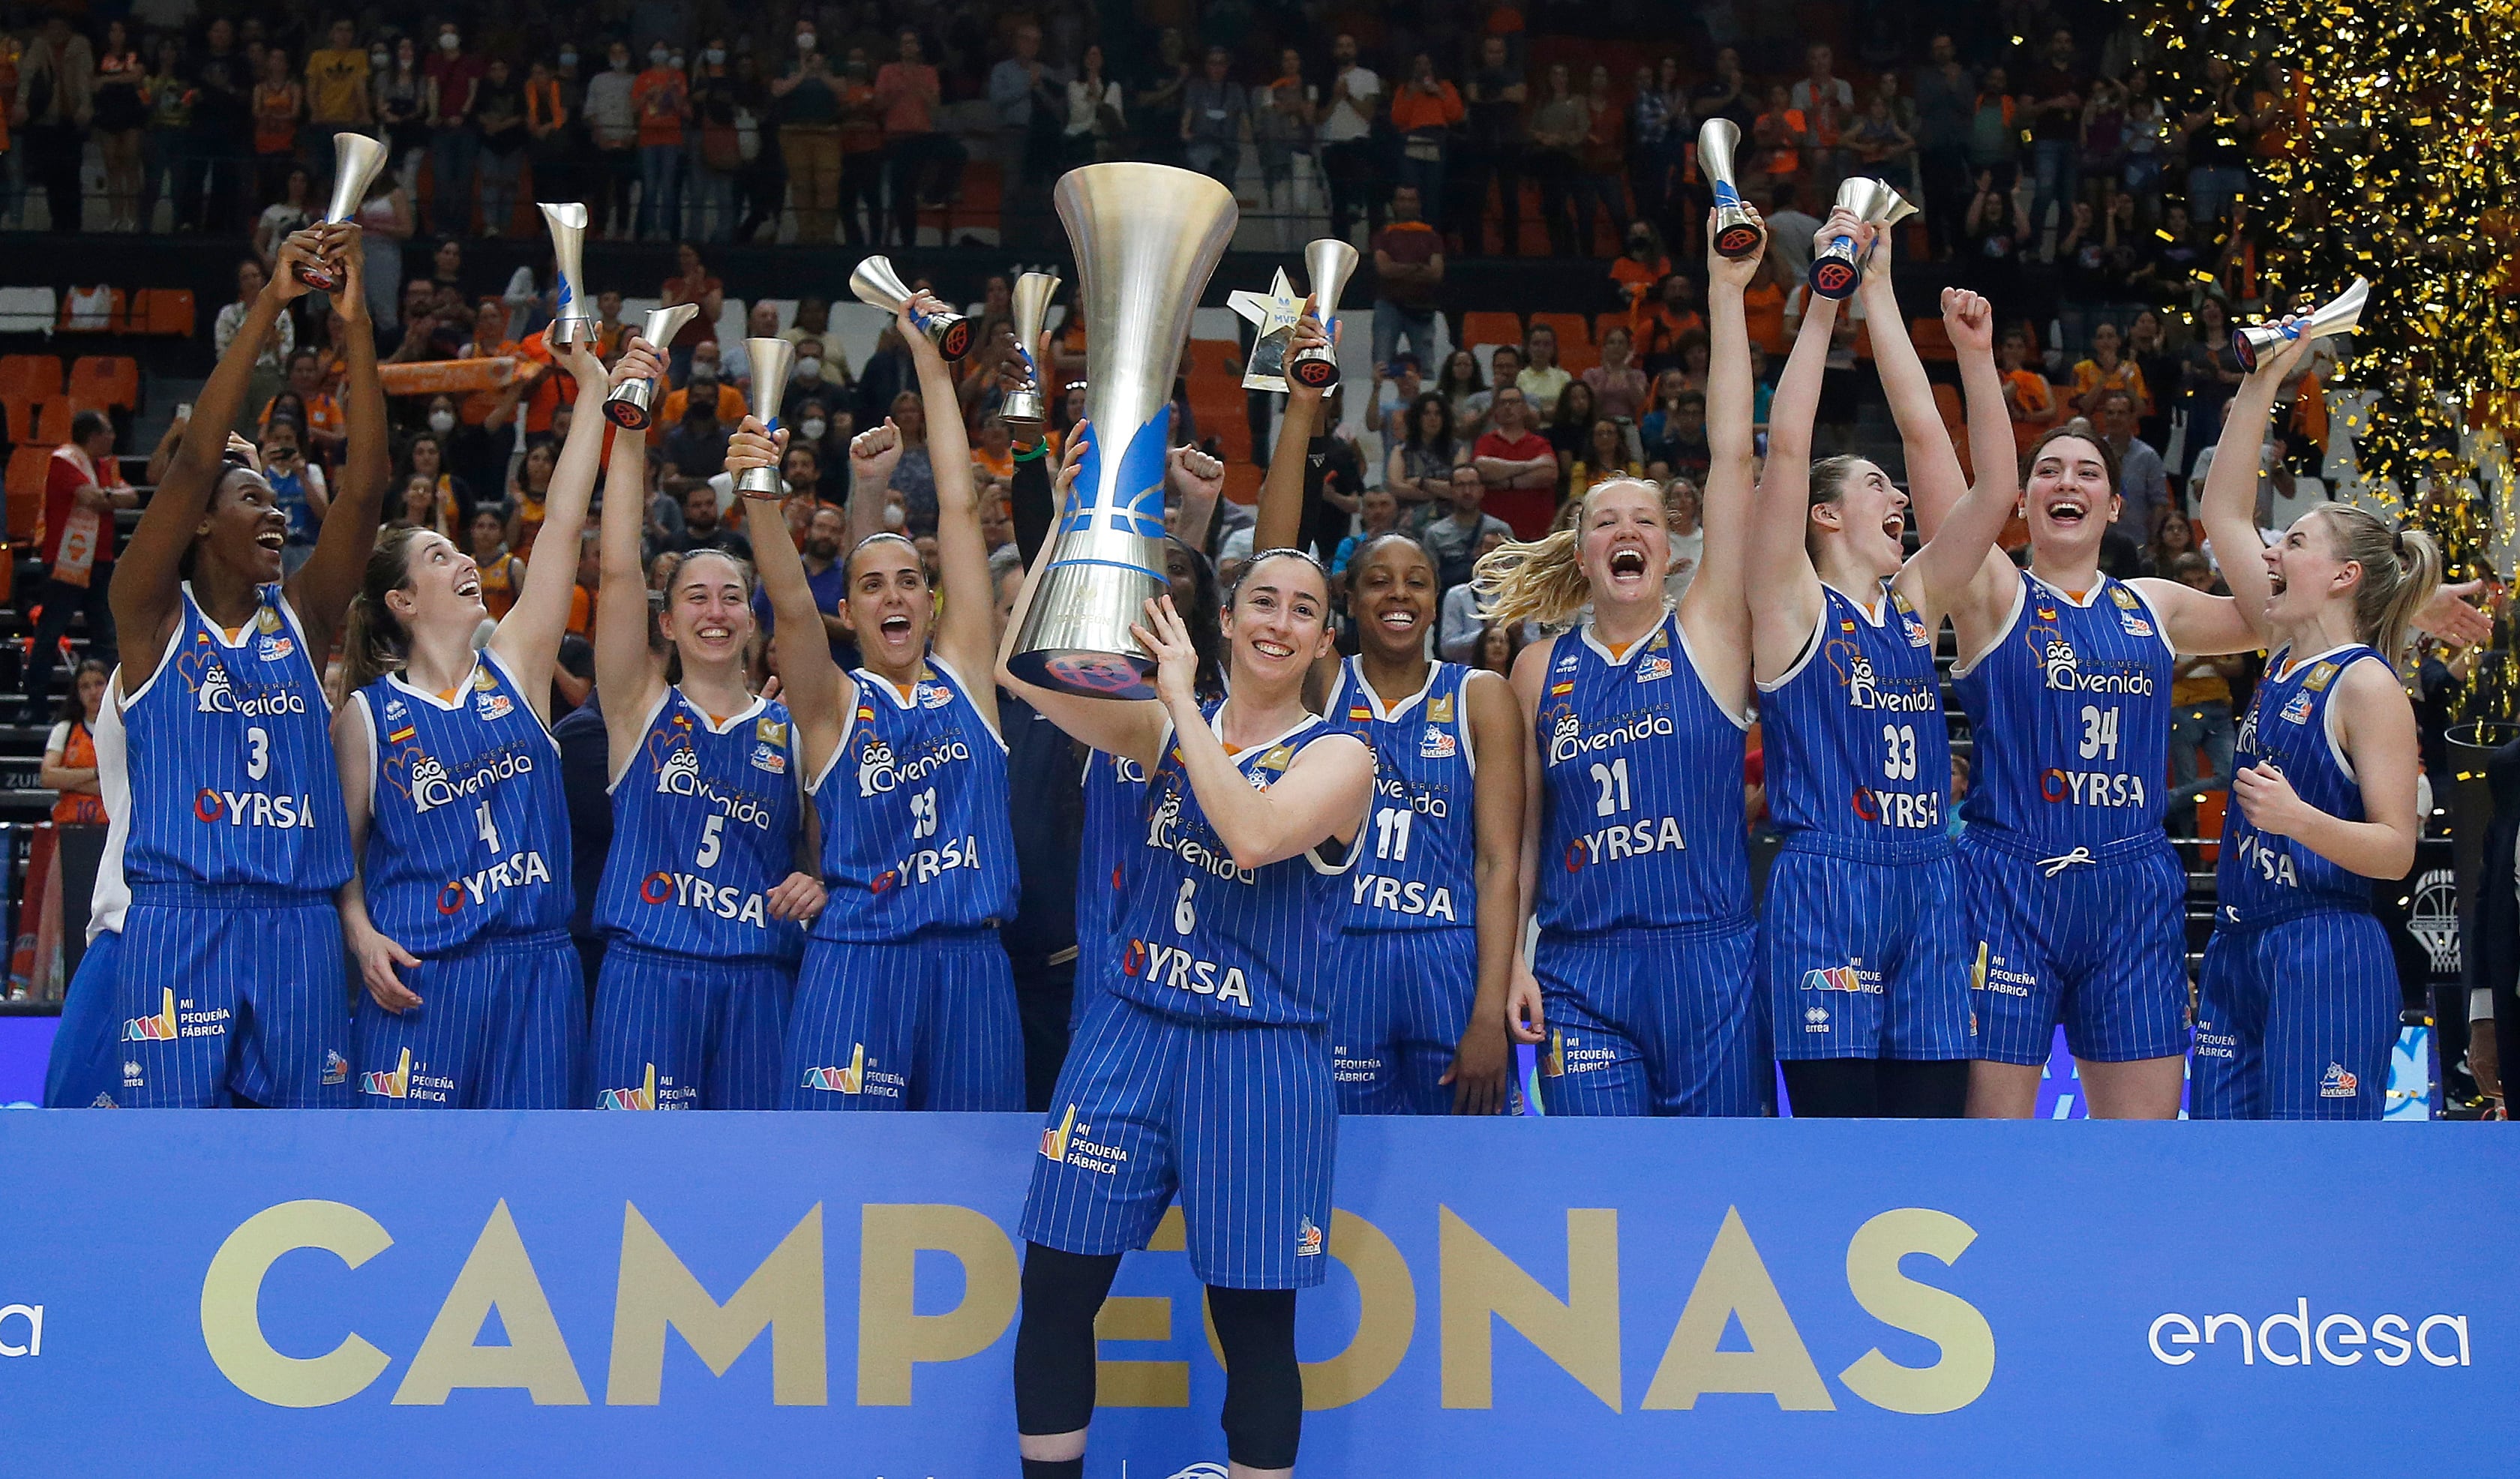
<point x="1540" y="581"/>
<point x="2402" y="568"/>
<point x="374" y="642"/>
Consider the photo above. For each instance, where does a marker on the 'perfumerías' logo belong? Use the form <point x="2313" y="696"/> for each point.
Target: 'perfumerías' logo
<point x="641" y="1098"/>
<point x="159" y="1028"/>
<point x="394" y="1083"/>
<point x="849" y="1080"/>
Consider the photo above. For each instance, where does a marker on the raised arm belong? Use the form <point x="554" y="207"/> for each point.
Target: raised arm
<point x="810" y="682"/>
<point x="528" y="639"/>
<point x="966" y="634"/>
<point x="1133" y="729"/>
<point x="146" y="579"/>
<point x="2229" y="511"/>
<point x="1525" y="1012"/>
<point x="624" y="673"/>
<point x="1959" y="561"/>
<point x="1716" y="611"/>
<point x="1280" y="517"/>
<point x="1198" y="482"/>
<point x="1785" y="589"/>
<point x="872" y="455"/>
<point x="322" y="589"/>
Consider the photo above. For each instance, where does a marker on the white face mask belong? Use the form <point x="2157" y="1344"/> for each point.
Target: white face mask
<point x="568" y="59"/>
<point x="805" y="41"/>
<point x="715" y="55"/>
<point x="379" y="61"/>
<point x="809" y="368"/>
<point x="656" y="56"/>
<point x="894" y="517"/>
<point x="621" y="62"/>
<point x="813" y="427"/>
<point x="448" y="41"/>
<point x="441" y="422"/>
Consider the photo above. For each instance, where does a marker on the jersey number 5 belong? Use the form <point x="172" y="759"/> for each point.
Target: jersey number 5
<point x="709" y="840"/>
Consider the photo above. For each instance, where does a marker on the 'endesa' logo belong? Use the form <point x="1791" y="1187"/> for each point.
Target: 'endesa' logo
<point x="2290" y="1338"/>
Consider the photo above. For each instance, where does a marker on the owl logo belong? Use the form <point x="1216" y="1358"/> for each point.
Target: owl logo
<point x="1860" y="690"/>
<point x="874" y="766"/>
<point x="680" y="775"/>
<point x="1164" y="818"/>
<point x="2062" y="667"/>
<point x="429" y="785"/>
<point x="1569" y="731"/>
<point x="213" y="697"/>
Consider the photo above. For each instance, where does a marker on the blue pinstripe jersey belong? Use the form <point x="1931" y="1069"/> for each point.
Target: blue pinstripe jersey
<point x="468" y="836"/>
<point x="704" y="824"/>
<point x="1640" y="773"/>
<point x="1115" y="804"/>
<point x="1416" y="864"/>
<point x="1200" y="937"/>
<point x="2069" y="711"/>
<point x="228" y="760"/>
<point x="2290" y="725"/>
<point x="1855" y="742"/>
<point x="914" y="812"/>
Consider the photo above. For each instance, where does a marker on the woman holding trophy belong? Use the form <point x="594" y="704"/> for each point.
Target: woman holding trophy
<point x="904" y="1000"/>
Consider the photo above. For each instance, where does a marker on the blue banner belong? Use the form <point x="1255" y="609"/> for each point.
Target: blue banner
<point x="716" y="1293"/>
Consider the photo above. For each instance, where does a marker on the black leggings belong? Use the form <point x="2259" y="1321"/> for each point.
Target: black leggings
<point x="1264" y="1390"/>
<point x="1878" y="1089"/>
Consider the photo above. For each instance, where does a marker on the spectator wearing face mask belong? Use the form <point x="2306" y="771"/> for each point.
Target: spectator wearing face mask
<point x="298" y="487"/>
<point x="661" y="96"/>
<point x="706" y="386"/>
<point x="454" y="77"/>
<point x="809" y="379"/>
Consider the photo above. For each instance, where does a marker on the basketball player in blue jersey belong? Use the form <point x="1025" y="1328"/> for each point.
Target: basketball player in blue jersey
<point x="1116" y="786"/>
<point x="712" y="868"/>
<point x="904" y="1000"/>
<point x="2297" y="1003"/>
<point x="1205" y="1072"/>
<point x="227" y="837"/>
<point x="2074" y="897"/>
<point x="1418" y="1014"/>
<point x="1635" y="859"/>
<point x="456" y="913"/>
<point x="1861" y="950"/>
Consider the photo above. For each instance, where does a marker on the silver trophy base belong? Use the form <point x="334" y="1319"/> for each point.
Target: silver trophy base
<point x="1076" y="637"/>
<point x="569" y="332"/>
<point x="631" y="407"/>
<point x="1023" y="411"/>
<point x="761" y="482"/>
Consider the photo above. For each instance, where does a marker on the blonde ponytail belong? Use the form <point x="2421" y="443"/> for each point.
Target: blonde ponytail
<point x="1540" y="581"/>
<point x="2402" y="568"/>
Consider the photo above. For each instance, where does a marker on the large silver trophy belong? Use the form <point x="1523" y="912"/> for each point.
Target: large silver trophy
<point x="1327" y="263"/>
<point x="877" y="285"/>
<point x="1146" y="238"/>
<point x="1737" y="228"/>
<point x="1834" y="269"/>
<point x="632" y="406"/>
<point x="772" y="358"/>
<point x="356" y="160"/>
<point x="1025" y="408"/>
<point x="573" y="314"/>
<point x="2342" y="314"/>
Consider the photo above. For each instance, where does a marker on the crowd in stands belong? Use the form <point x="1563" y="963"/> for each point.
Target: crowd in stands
<point x="2102" y="218"/>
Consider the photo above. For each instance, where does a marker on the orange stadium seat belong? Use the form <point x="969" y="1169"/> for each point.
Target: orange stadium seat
<point x="1489" y="328"/>
<point x="105" y="382"/>
<point x="170" y="311"/>
<point x="1932" y="341"/>
<point x="25" y="490"/>
<point x="53" y="420"/>
<point x="25" y="382"/>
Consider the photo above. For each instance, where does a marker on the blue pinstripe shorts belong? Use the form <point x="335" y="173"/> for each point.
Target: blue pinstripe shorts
<point x="232" y="992"/>
<point x="500" y="1026"/>
<point x="929" y="1022"/>
<point x="676" y="1031"/>
<point x="1239" y="1121"/>
<point x="1861" y="954"/>
<point x="2295" y="1019"/>
<point x="2093" y="938"/>
<point x="1398" y="1007"/>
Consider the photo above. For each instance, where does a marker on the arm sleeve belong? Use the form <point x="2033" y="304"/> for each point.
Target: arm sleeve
<point x="1031" y="499"/>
